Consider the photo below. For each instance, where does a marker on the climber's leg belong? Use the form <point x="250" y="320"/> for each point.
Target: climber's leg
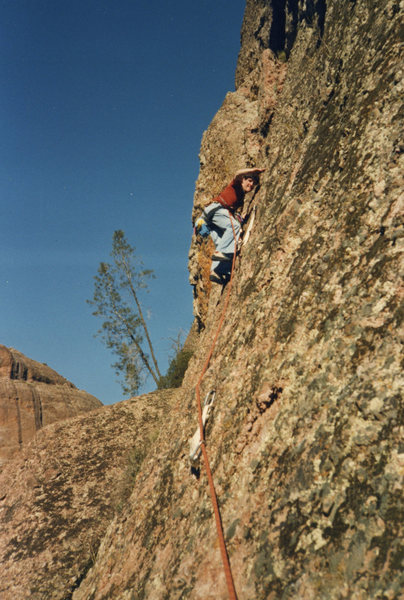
<point x="225" y="228"/>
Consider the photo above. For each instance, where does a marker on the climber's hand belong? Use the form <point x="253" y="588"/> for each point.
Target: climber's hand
<point x="252" y="171"/>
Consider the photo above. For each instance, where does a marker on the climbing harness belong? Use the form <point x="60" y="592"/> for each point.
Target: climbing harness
<point x="202" y="444"/>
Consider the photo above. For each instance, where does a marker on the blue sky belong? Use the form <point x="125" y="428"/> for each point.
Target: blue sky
<point x="102" y="108"/>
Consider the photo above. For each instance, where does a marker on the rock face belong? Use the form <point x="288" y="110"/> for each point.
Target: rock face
<point x="33" y="395"/>
<point x="58" y="495"/>
<point x="306" y="437"/>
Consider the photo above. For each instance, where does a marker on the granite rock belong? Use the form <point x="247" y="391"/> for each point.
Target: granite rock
<point x="58" y="495"/>
<point x="305" y="440"/>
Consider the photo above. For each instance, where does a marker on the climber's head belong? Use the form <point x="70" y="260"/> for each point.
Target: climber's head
<point x="249" y="181"/>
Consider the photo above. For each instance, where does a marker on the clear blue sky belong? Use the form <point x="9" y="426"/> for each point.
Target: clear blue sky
<point x="102" y="108"/>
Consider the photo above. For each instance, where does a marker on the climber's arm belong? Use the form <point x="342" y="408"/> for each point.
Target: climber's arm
<point x="243" y="172"/>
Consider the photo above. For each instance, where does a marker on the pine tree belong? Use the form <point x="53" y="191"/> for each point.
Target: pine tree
<point x="124" y="329"/>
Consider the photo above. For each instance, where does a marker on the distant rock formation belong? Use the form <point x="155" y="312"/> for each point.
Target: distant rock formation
<point x="33" y="395"/>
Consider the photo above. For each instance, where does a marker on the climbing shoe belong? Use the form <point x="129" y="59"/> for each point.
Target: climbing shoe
<point x="222" y="257"/>
<point x="216" y="278"/>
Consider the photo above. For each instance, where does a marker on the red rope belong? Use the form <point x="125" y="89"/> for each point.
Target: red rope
<point x="216" y="510"/>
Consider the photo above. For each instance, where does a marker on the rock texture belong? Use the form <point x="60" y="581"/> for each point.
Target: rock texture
<point x="33" y="395"/>
<point x="306" y="436"/>
<point x="58" y="495"/>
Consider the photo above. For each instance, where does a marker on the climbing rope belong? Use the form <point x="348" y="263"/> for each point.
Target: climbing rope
<point x="218" y="520"/>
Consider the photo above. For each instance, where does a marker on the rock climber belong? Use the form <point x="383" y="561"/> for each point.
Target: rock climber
<point x="223" y="218"/>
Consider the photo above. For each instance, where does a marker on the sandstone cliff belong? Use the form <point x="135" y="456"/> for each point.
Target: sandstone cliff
<point x="33" y="395"/>
<point x="305" y="440"/>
